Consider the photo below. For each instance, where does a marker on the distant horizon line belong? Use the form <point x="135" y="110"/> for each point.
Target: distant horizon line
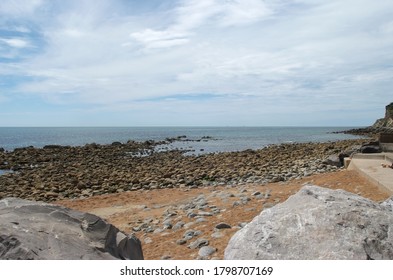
<point x="186" y="126"/>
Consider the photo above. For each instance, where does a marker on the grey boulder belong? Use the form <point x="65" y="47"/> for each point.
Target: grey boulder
<point x="318" y="223"/>
<point x="37" y="230"/>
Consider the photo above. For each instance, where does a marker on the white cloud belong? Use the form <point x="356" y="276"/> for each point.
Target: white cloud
<point x="160" y="39"/>
<point x="15" y="42"/>
<point x="257" y="56"/>
<point x="17" y="8"/>
<point x="194" y="14"/>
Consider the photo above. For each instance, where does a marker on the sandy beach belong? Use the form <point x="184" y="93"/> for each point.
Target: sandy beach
<point x="147" y="212"/>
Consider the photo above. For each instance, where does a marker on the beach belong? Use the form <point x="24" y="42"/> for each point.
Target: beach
<point x="64" y="172"/>
<point x="164" y="219"/>
<point x="173" y="202"/>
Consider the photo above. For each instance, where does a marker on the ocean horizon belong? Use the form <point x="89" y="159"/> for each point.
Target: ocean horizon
<point x="220" y="139"/>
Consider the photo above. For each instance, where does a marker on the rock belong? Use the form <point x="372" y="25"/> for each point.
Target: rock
<point x="191" y="233"/>
<point x="201" y="220"/>
<point x="388" y="203"/>
<point x="148" y="240"/>
<point x="36" y="230"/>
<point x="333" y="160"/>
<point x="206" y="251"/>
<point x="243" y="224"/>
<point x="216" y="235"/>
<point x="317" y="223"/>
<point x="181" y="241"/>
<point x="204" y="214"/>
<point x="222" y="226"/>
<point x="369" y="149"/>
<point x="199" y="243"/>
<point x="178" y="225"/>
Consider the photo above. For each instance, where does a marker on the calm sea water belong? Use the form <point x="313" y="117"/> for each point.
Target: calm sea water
<point x="224" y="138"/>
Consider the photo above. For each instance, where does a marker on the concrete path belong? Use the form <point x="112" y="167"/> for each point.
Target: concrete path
<point x="370" y="166"/>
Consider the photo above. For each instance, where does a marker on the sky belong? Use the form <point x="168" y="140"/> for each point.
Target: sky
<point x="195" y="62"/>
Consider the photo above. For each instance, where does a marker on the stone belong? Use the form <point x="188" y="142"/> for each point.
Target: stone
<point x="206" y="251"/>
<point x="317" y="223"/>
<point x="333" y="160"/>
<point x="148" y="240"/>
<point x="388" y="203"/>
<point x="201" y="220"/>
<point x="199" y="243"/>
<point x="204" y="214"/>
<point x="191" y="233"/>
<point x="178" y="225"/>
<point x="181" y="241"/>
<point x="369" y="149"/>
<point x="222" y="226"/>
<point x="37" y="230"/>
<point x="216" y="235"/>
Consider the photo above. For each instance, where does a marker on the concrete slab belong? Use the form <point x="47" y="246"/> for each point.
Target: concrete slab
<point x="370" y="166"/>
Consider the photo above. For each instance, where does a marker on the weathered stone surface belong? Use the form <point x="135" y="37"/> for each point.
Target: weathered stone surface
<point x="36" y="230"/>
<point x="317" y="223"/>
<point x="388" y="203"/>
<point x="206" y="251"/>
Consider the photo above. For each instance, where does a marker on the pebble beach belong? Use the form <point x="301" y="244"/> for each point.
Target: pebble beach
<point x="63" y="172"/>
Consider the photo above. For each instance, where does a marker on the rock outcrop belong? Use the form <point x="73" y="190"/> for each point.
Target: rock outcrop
<point x="318" y="223"/>
<point x="36" y="230"/>
<point x="383" y="125"/>
<point x="387" y="121"/>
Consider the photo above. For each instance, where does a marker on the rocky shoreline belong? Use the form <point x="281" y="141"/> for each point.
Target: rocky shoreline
<point x="63" y="172"/>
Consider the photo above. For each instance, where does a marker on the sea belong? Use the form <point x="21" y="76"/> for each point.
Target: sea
<point x="203" y="139"/>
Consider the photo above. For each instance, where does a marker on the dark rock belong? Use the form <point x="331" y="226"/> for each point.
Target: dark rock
<point x="370" y="149"/>
<point x="317" y="223"/>
<point x="222" y="226"/>
<point x="36" y="230"/>
<point x="54" y="147"/>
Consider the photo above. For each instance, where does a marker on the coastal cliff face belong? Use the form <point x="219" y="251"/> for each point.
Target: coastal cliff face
<point x="387" y="121"/>
<point x="383" y="125"/>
